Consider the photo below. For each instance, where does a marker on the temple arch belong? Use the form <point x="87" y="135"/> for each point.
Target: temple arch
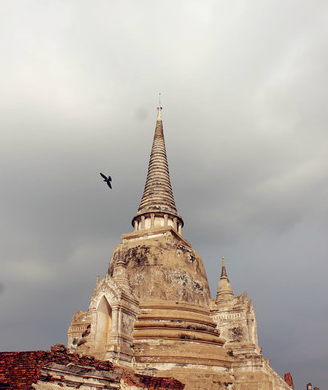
<point x="103" y="323"/>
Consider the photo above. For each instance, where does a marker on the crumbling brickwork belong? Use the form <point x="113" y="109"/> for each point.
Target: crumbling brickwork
<point x="22" y="370"/>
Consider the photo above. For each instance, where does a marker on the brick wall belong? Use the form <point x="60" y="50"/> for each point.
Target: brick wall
<point x="19" y="370"/>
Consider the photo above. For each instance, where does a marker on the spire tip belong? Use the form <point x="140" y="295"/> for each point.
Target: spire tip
<point x="223" y="272"/>
<point x="159" y="108"/>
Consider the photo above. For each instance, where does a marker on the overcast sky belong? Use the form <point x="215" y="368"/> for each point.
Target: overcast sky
<point x="244" y="92"/>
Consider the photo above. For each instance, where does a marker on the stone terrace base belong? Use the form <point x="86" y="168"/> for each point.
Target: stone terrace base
<point x="253" y="372"/>
<point x="178" y="333"/>
<point x="196" y="377"/>
<point x="247" y="373"/>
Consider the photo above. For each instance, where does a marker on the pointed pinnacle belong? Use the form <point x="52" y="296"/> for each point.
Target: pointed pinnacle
<point x="224" y="271"/>
<point x="159" y="114"/>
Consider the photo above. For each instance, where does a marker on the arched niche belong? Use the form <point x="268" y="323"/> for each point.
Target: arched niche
<point x="103" y="323"/>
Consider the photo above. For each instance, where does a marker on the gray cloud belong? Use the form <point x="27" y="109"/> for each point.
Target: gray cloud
<point x="244" y="96"/>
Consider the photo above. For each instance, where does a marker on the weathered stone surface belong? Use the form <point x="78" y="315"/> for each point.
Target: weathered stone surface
<point x="162" y="266"/>
<point x="108" y="324"/>
<point x="153" y="313"/>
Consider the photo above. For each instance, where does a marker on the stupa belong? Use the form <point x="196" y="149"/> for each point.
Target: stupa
<point x="153" y="313"/>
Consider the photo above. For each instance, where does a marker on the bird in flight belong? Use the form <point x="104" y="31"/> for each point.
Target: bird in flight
<point x="106" y="179"/>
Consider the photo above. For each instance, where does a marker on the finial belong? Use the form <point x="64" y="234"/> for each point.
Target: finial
<point x="224" y="272"/>
<point x="97" y="281"/>
<point x="159" y="108"/>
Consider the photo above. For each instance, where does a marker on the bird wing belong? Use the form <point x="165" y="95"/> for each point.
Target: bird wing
<point x="109" y="185"/>
<point x="101" y="174"/>
<point x="109" y="178"/>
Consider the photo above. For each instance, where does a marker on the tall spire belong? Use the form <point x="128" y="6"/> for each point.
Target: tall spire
<point x="157" y="204"/>
<point x="224" y="293"/>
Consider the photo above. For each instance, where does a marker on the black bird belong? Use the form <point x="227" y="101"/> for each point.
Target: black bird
<point x="106" y="179"/>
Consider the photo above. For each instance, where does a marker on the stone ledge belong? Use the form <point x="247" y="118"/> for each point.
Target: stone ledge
<point x="172" y="305"/>
<point x="154" y="232"/>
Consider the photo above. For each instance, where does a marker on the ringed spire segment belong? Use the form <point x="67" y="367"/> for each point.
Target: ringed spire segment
<point x="157" y="206"/>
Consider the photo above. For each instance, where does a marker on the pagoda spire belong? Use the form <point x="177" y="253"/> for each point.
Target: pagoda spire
<point x="157" y="206"/>
<point x="224" y="293"/>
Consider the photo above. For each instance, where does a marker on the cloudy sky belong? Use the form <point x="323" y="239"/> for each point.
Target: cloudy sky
<point x="244" y="95"/>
